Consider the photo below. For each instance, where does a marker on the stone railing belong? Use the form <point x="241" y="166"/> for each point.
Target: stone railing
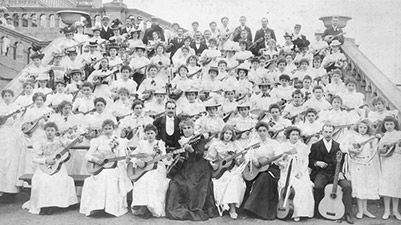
<point x="372" y="81"/>
<point x="14" y="51"/>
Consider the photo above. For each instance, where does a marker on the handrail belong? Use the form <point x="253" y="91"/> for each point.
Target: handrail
<point x="23" y="37"/>
<point x="383" y="85"/>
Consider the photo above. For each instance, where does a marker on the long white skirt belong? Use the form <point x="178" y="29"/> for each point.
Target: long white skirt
<point x="390" y="176"/>
<point x="229" y="189"/>
<point x="105" y="191"/>
<point x="150" y="191"/>
<point x="57" y="190"/>
<point x="11" y="159"/>
<point x="303" y="200"/>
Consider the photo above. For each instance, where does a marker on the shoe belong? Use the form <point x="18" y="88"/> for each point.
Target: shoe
<point x="397" y="215"/>
<point x="297" y="219"/>
<point x="386" y="216"/>
<point x="369" y="214"/>
<point x="233" y="215"/>
<point x="348" y="219"/>
<point x="359" y="215"/>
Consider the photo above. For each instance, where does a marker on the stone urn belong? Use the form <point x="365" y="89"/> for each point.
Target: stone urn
<point x="342" y="20"/>
<point x="69" y="17"/>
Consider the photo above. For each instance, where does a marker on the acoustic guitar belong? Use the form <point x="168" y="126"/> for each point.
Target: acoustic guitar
<point x="251" y="171"/>
<point x="60" y="157"/>
<point x="29" y="127"/>
<point x="332" y="207"/>
<point x="109" y="162"/>
<point x="150" y="164"/>
<point x="4" y="118"/>
<point x="285" y="207"/>
<point x="228" y="162"/>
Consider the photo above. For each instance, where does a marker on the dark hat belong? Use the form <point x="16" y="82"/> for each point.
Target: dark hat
<point x="213" y="68"/>
<point x="93" y="44"/>
<point x="284" y="77"/>
<point x="38" y="55"/>
<point x="67" y="30"/>
<point x="113" y="45"/>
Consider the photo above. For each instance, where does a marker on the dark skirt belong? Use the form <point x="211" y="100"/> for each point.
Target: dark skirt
<point x="263" y="197"/>
<point x="190" y="192"/>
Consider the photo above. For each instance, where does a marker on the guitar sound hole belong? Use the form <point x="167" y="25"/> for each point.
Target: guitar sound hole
<point x="223" y="163"/>
<point x="105" y="161"/>
<point x="333" y="196"/>
<point x="58" y="156"/>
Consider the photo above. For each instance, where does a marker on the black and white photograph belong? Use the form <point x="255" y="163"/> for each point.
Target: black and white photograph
<point x="200" y="111"/>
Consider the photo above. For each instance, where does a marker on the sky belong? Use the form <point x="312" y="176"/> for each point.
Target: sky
<point x="375" y="24"/>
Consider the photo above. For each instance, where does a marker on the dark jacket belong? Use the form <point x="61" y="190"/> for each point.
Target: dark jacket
<point x="171" y="141"/>
<point x="261" y="33"/>
<point x="237" y="32"/>
<point x="148" y="33"/>
<point x="106" y="34"/>
<point x="319" y="153"/>
<point x="202" y="47"/>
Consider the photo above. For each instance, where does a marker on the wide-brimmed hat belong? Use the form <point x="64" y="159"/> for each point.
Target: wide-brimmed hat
<point x="243" y="66"/>
<point x="264" y="83"/>
<point x="73" y="71"/>
<point x="212" y="103"/>
<point x="43" y="76"/>
<point x="160" y="91"/>
<point x="335" y="43"/>
<point x="213" y="68"/>
<point x="244" y="105"/>
<point x="140" y="46"/>
<point x="38" y="55"/>
<point x="192" y="89"/>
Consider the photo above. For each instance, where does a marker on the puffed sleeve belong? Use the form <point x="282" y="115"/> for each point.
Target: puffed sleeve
<point x="94" y="144"/>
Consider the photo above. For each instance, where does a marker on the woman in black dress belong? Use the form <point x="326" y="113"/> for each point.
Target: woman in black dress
<point x="190" y="192"/>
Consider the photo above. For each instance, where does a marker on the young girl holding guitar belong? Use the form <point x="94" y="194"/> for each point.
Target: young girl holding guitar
<point x="229" y="189"/>
<point x="149" y="192"/>
<point x="364" y="166"/>
<point x="390" y="176"/>
<point x="300" y="180"/>
<point x="107" y="190"/>
<point x="49" y="191"/>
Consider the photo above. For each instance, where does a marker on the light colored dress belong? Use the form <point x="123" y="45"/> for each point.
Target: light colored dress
<point x="364" y="168"/>
<point x="57" y="190"/>
<point x="107" y="190"/>
<point x="303" y="200"/>
<point x="150" y="190"/>
<point x="229" y="188"/>
<point x="390" y="176"/>
<point x="11" y="151"/>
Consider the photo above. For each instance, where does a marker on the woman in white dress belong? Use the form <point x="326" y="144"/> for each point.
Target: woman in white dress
<point x="106" y="191"/>
<point x="11" y="148"/>
<point x="49" y="191"/>
<point x="229" y="189"/>
<point x="33" y="113"/>
<point x="25" y="98"/>
<point x="364" y="167"/>
<point x="303" y="200"/>
<point x="390" y="176"/>
<point x="149" y="192"/>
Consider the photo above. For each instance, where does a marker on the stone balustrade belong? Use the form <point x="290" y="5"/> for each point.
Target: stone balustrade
<point x="372" y="81"/>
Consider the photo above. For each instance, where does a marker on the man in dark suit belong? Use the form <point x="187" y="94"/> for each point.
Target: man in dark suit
<point x="260" y="33"/>
<point x="106" y="31"/>
<point x="176" y="43"/>
<point x="242" y="27"/>
<point x="168" y="126"/>
<point x="128" y="26"/>
<point x="333" y="30"/>
<point x="197" y="44"/>
<point x="261" y="44"/>
<point x="298" y="39"/>
<point x="154" y="27"/>
<point x="322" y="161"/>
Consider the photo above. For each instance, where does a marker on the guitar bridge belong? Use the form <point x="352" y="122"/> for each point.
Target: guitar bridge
<point x="330" y="214"/>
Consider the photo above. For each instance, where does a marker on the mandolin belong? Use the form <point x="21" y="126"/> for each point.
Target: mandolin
<point x="228" y="162"/>
<point x="194" y="73"/>
<point x="332" y="207"/>
<point x="62" y="133"/>
<point x="4" y="118"/>
<point x="285" y="207"/>
<point x="238" y="134"/>
<point x="29" y="127"/>
<point x="274" y="134"/>
<point x="329" y="38"/>
<point x="150" y="164"/>
<point x="60" y="157"/>
<point x="388" y="149"/>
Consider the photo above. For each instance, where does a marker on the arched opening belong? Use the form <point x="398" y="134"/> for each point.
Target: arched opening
<point x="52" y="20"/>
<point x="24" y="20"/>
<point x="97" y="20"/>
<point x="16" y="20"/>
<point x="34" y="19"/>
<point x="43" y="20"/>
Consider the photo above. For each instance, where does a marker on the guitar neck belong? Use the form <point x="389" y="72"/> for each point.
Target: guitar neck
<point x="159" y="158"/>
<point x="75" y="141"/>
<point x="287" y="180"/>
<point x="335" y="182"/>
<point x="367" y="141"/>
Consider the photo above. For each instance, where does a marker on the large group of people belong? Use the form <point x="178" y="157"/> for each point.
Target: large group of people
<point x="190" y="125"/>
